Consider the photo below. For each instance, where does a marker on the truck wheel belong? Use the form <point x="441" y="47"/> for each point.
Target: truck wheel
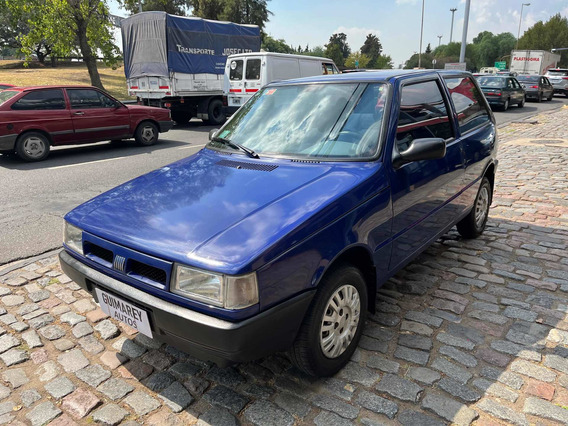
<point x="215" y="113"/>
<point x="473" y="225"/>
<point x="32" y="146"/>
<point x="146" y="133"/>
<point x="181" y="117"/>
<point x="333" y="324"/>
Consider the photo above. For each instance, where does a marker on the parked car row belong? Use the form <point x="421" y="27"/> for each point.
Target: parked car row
<point x="35" y="118"/>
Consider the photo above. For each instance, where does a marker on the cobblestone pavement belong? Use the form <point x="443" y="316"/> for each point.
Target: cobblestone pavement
<point x="472" y="331"/>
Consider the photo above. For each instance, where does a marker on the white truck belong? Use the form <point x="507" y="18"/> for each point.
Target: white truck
<point x="534" y="62"/>
<point x="245" y="73"/>
<point x="178" y="62"/>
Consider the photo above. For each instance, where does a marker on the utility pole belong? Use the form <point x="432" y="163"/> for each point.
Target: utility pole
<point x="421" y="32"/>
<point x="440" y="40"/>
<point x="520" y="21"/>
<point x="452" y="28"/>
<point x="140" y="6"/>
<point x="464" y="35"/>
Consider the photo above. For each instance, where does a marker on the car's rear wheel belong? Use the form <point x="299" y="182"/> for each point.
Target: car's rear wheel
<point x="473" y="225"/>
<point x="522" y="103"/>
<point x="539" y="98"/>
<point x="506" y="105"/>
<point x="333" y="324"/>
<point x="550" y="97"/>
<point x="215" y="113"/>
<point x="32" y="146"/>
<point x="146" y="133"/>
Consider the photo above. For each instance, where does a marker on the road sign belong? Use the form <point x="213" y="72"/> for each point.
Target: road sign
<point x="455" y="66"/>
<point x="501" y="65"/>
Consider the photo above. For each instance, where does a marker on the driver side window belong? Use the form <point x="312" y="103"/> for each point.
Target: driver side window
<point x="423" y="114"/>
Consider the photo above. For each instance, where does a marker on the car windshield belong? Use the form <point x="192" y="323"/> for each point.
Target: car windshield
<point x="529" y="78"/>
<point x="558" y="73"/>
<point x="6" y="95"/>
<point x="324" y="120"/>
<point x="491" y="81"/>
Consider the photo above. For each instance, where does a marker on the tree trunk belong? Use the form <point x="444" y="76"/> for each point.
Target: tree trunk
<point x="88" y="57"/>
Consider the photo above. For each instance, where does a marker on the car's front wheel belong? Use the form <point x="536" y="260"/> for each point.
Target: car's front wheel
<point x="522" y="103"/>
<point x="32" y="146"/>
<point x="473" y="224"/>
<point x="146" y="133"/>
<point x="333" y="324"/>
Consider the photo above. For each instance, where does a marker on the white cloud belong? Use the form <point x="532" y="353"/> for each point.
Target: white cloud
<point x="356" y="36"/>
<point x="406" y="1"/>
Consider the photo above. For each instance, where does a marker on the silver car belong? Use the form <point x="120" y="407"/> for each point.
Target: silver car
<point x="559" y="79"/>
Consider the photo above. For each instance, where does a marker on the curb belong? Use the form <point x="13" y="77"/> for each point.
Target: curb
<point x="17" y="264"/>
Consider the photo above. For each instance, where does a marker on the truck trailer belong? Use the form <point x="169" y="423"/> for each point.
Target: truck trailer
<point x="178" y="62"/>
<point x="535" y="62"/>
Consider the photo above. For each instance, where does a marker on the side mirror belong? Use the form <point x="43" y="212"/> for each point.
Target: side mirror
<point x="421" y="149"/>
<point x="212" y="133"/>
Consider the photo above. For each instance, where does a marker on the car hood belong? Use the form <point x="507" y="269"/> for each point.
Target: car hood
<point x="221" y="212"/>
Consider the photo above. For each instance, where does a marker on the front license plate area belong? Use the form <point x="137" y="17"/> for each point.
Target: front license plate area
<point x="124" y="311"/>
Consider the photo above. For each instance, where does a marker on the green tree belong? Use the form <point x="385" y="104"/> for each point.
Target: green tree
<point x="316" y="51"/>
<point x="383" y="62"/>
<point x="357" y="60"/>
<point x="428" y="49"/>
<point x="239" y="11"/>
<point x="548" y="35"/>
<point x="338" y="49"/>
<point x="175" y="7"/>
<point x="373" y="48"/>
<point x="272" y="45"/>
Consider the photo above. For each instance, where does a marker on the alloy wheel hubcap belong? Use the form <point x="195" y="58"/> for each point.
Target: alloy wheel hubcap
<point x="340" y="321"/>
<point x="148" y="134"/>
<point x="481" y="207"/>
<point x="34" y="147"/>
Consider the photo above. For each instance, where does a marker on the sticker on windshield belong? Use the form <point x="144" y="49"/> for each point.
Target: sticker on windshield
<point x="224" y="133"/>
<point x="270" y="92"/>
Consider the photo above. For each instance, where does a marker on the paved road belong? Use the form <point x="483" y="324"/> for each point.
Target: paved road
<point x="472" y="331"/>
<point x="36" y="196"/>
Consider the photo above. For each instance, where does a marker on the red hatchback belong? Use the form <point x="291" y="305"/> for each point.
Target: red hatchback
<point x="34" y="118"/>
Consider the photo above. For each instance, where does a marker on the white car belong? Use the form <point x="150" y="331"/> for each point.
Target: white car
<point x="559" y="79"/>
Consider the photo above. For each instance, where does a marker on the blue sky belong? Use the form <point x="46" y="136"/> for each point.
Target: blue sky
<point x="396" y="22"/>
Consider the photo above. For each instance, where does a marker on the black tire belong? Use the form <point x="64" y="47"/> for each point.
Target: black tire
<point x="550" y="97"/>
<point x="522" y="103"/>
<point x="181" y="117"/>
<point x="146" y="133"/>
<point x="307" y="353"/>
<point x="469" y="226"/>
<point x="215" y="113"/>
<point x="539" y="98"/>
<point x="32" y="146"/>
<point x="505" y="106"/>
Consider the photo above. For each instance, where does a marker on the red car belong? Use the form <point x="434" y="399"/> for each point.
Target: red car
<point x="34" y="118"/>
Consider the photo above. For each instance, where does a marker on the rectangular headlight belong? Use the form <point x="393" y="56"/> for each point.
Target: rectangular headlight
<point x="219" y="290"/>
<point x="73" y="238"/>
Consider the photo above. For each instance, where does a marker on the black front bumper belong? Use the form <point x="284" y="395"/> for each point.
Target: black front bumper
<point x="200" y="335"/>
<point x="166" y="125"/>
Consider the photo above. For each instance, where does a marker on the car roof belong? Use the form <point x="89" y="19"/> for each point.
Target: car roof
<point x="27" y="88"/>
<point x="376" y="75"/>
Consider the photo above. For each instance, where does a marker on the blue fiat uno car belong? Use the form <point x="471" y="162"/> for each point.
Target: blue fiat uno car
<point x="277" y="234"/>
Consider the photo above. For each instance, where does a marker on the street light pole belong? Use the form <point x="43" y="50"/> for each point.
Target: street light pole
<point x="464" y="35"/>
<point x="453" y="10"/>
<point x="520" y="21"/>
<point x="421" y="32"/>
<point x="440" y="40"/>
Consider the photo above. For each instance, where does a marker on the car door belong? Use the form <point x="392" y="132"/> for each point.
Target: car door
<point x="476" y="131"/>
<point x="548" y="90"/>
<point x="252" y="81"/>
<point x="422" y="191"/>
<point x="97" y="117"/>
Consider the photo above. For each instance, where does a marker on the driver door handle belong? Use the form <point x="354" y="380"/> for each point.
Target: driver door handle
<point x="79" y="113"/>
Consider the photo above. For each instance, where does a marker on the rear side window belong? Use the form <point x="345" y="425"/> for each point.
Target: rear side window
<point x="423" y="114"/>
<point x="7" y="95"/>
<point x="41" y="100"/>
<point x="469" y="104"/>
<point x="236" y="72"/>
<point x="253" y="69"/>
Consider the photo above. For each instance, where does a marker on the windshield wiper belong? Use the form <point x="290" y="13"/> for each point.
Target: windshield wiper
<point x="235" y="145"/>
